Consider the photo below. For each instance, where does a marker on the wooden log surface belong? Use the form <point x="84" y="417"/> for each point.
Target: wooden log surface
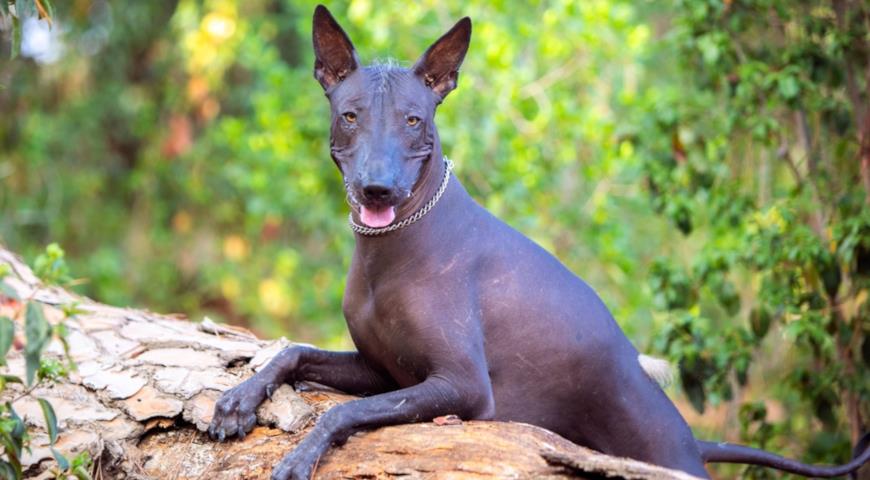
<point x="146" y="384"/>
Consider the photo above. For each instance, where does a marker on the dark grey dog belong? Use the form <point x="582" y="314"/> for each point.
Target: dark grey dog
<point x="451" y="310"/>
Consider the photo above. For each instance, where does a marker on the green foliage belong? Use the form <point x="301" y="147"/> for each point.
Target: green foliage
<point x="50" y="419"/>
<point x="754" y="155"/>
<point x="38" y="333"/>
<point x="184" y="164"/>
<point x="50" y="266"/>
<point x="179" y="150"/>
<point x="39" y="371"/>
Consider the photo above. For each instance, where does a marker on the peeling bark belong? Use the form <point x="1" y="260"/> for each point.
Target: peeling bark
<point x="145" y="390"/>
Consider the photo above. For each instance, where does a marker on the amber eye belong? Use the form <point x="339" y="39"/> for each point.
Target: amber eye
<point x="349" y="117"/>
<point x="413" y="121"/>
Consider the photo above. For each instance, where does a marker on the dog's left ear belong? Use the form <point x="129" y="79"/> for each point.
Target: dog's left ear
<point x="439" y="66"/>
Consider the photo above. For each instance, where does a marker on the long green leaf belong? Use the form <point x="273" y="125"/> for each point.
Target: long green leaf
<point x="50" y="419"/>
<point x="4" y="7"/>
<point x="19" y="431"/>
<point x="13" y="450"/>
<point x="37" y="331"/>
<point x="82" y="474"/>
<point x="31" y="365"/>
<point x="6" y="469"/>
<point x="16" y="36"/>
<point x="36" y="328"/>
<point x="62" y="461"/>
<point x="7" y="331"/>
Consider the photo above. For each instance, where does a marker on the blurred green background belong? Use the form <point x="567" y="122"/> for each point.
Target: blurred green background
<point x="704" y="164"/>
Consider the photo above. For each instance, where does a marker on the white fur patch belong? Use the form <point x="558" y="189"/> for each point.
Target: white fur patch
<point x="657" y="369"/>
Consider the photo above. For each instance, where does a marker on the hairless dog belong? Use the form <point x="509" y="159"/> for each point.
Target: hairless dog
<point x="451" y="310"/>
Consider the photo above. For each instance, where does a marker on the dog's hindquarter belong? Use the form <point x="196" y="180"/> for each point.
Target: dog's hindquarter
<point x="558" y="359"/>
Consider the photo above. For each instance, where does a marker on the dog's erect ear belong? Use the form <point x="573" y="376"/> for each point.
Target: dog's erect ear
<point x="334" y="55"/>
<point x="439" y="66"/>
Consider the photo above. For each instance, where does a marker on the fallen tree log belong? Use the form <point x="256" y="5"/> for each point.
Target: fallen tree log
<point x="146" y="384"/>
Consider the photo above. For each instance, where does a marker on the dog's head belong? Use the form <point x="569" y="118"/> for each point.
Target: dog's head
<point x="383" y="129"/>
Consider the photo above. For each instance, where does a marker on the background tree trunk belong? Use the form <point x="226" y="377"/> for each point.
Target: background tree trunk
<point x="146" y="385"/>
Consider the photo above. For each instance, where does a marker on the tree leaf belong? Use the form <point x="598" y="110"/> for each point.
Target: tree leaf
<point x="44" y="12"/>
<point x="6" y="469"/>
<point x="16" y="37"/>
<point x="25" y="8"/>
<point x="36" y="328"/>
<point x="19" y="430"/>
<point x="759" y="320"/>
<point x="11" y="378"/>
<point x="50" y="419"/>
<point x="62" y="461"/>
<point x="31" y="365"/>
<point x="82" y="474"/>
<point x="7" y="331"/>
<point x="5" y="289"/>
<point x="12" y="447"/>
<point x="37" y="331"/>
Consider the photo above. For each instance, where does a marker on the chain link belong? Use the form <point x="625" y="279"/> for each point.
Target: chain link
<point x="363" y="230"/>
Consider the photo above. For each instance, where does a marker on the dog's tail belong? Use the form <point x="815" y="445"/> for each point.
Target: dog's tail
<point x="657" y="369"/>
<point x="730" y="453"/>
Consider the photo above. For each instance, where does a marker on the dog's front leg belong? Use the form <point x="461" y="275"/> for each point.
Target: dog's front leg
<point x="235" y="411"/>
<point x="437" y="395"/>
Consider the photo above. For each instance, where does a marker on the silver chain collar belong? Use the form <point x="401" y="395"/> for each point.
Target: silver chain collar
<point x="363" y="230"/>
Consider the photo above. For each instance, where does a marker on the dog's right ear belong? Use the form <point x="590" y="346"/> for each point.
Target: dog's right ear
<point x="334" y="55"/>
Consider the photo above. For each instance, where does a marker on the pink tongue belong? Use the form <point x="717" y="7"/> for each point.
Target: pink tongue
<point x="377" y="218"/>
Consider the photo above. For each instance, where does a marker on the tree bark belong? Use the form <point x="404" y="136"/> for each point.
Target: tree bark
<point x="146" y="385"/>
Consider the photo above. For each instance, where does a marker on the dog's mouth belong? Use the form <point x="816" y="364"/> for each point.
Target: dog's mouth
<point x="374" y="215"/>
<point x="377" y="214"/>
<point x="377" y="217"/>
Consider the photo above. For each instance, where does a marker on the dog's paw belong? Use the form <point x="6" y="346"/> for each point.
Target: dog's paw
<point x="294" y="466"/>
<point x="235" y="413"/>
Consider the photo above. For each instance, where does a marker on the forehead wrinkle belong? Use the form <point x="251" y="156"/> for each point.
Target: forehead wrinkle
<point x="389" y="87"/>
<point x="383" y="76"/>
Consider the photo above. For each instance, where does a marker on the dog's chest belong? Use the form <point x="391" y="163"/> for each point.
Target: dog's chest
<point x="381" y="333"/>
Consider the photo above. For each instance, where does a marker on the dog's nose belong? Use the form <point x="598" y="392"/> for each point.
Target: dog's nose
<point x="377" y="193"/>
